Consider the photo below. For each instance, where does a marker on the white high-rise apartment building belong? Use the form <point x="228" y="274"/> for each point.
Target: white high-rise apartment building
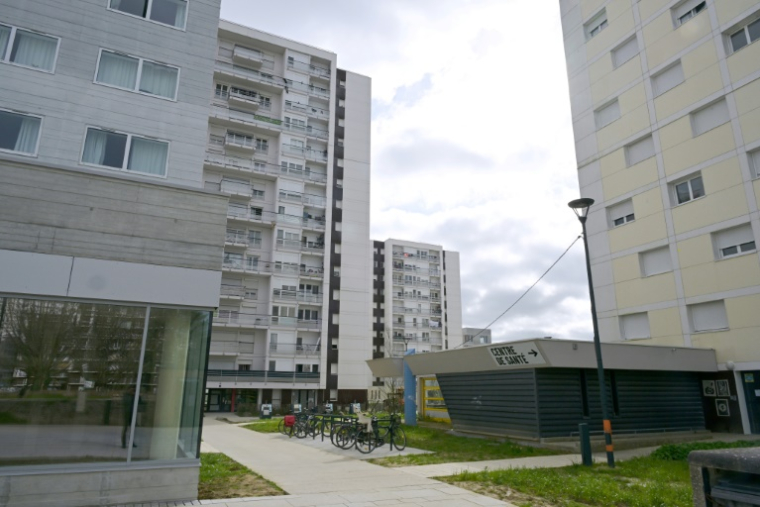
<point x="417" y="299"/>
<point x="109" y="248"/>
<point x="664" y="97"/>
<point x="289" y="141"/>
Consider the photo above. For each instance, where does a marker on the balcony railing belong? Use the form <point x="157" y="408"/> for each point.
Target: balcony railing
<point x="262" y="376"/>
<point x="312" y="112"/>
<point x="313" y="271"/>
<point x="314" y="70"/>
<point x="418" y="283"/>
<point x="296" y="323"/>
<point x="297" y="295"/>
<point x="295" y="349"/>
<point x="230" y="348"/>
<point x="305" y="152"/>
<point x="249" y="266"/>
<point x="224" y="112"/>
<point x="234" y="187"/>
<point x="218" y="157"/>
<point x="313" y="247"/>
<point x="232" y="291"/>
<point x="291" y="244"/>
<point x="233" y="238"/>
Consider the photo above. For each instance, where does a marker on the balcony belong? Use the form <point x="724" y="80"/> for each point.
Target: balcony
<point x="232" y="291"/>
<point x="418" y="283"/>
<point x="251" y="265"/>
<point x="311" y="111"/>
<point x="294" y="349"/>
<point x="280" y="377"/>
<point x="236" y="239"/>
<point x="312" y="272"/>
<point x="235" y="188"/>
<point x="297" y="295"/>
<point x="315" y="201"/>
<point x="288" y="244"/>
<point x="230" y="348"/>
<point x="228" y="318"/>
<point x="251" y="57"/>
<point x="246" y="214"/>
<point x="219" y="158"/>
<point x="249" y="74"/>
<point x="313" y="247"/>
<point x="293" y="322"/>
<point x="307" y="152"/>
<point x="314" y="70"/>
<point x="266" y="123"/>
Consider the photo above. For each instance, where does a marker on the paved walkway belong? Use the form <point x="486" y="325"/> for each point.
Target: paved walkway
<point x="314" y="477"/>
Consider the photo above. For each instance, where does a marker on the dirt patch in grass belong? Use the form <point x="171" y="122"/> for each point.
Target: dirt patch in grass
<point x="222" y="477"/>
<point x="509" y="495"/>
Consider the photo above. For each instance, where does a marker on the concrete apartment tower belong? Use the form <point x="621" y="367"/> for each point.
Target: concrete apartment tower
<point x="110" y="248"/>
<point x="289" y="141"/>
<point x="664" y="99"/>
<point x="417" y="299"/>
<point x="476" y="336"/>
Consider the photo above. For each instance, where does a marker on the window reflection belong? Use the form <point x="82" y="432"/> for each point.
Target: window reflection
<point x="69" y="382"/>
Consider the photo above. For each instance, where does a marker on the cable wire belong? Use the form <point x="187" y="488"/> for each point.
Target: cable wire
<point x="524" y="293"/>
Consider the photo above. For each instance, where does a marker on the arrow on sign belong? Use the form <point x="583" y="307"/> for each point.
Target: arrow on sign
<point x="535" y="354"/>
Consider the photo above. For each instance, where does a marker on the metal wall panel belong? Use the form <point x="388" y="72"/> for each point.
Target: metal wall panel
<point x="645" y="401"/>
<point x="502" y="403"/>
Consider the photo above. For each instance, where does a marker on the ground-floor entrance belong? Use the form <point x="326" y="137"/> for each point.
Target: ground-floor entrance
<point x="218" y="400"/>
<point x="750" y="381"/>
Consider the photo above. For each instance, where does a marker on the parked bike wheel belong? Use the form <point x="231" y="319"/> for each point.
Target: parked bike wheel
<point x="302" y="429"/>
<point x="347" y="435"/>
<point x="281" y="427"/>
<point x="399" y="439"/>
<point x="365" y="441"/>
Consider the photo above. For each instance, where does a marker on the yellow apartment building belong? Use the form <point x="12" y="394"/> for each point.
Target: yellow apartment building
<point x="665" y="98"/>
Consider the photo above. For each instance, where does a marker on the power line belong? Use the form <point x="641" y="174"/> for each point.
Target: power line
<point x="524" y="293"/>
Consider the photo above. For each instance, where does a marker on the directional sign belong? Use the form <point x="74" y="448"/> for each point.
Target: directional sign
<point x="513" y="355"/>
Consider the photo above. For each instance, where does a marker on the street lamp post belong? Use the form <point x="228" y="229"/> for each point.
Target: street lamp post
<point x="581" y="207"/>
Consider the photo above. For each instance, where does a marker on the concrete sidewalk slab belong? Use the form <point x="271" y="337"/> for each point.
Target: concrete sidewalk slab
<point x="318" y="478"/>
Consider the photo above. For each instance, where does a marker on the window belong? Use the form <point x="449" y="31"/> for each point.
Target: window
<point x="754" y="163"/>
<point x="687" y="10"/>
<point x="634" y="325"/>
<point x="654" y="262"/>
<point x="639" y="151"/>
<point x="734" y="241"/>
<point x="688" y="190"/>
<point x="137" y="75"/>
<point x="708" y="316"/>
<point x="621" y="213"/>
<point x="27" y="49"/>
<point x="667" y="79"/>
<point x="709" y="117"/>
<point x="742" y="37"/>
<point x="607" y="114"/>
<point x="239" y="139"/>
<point x="625" y="52"/>
<point x="125" y="151"/>
<point x="262" y="145"/>
<point x="167" y="12"/>
<point x="244" y="367"/>
<point x="596" y="24"/>
<point x="19" y="133"/>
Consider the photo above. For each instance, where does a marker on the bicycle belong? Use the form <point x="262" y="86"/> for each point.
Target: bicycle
<point x="393" y="433"/>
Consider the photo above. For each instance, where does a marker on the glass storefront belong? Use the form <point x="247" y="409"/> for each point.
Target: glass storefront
<point x="85" y="382"/>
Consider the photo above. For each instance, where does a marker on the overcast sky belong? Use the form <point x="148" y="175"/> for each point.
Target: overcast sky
<point x="472" y="143"/>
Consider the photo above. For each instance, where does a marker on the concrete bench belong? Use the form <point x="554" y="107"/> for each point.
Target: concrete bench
<point x="725" y="477"/>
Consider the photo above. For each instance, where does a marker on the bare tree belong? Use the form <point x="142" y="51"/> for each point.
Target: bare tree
<point x="112" y="350"/>
<point x="39" y="338"/>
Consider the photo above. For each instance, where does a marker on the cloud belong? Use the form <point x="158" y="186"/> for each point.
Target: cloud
<point x="409" y="95"/>
<point x="418" y="153"/>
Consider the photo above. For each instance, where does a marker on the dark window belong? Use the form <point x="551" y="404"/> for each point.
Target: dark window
<point x="244" y="367"/>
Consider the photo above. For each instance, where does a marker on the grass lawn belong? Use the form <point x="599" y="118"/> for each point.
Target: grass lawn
<point x="222" y="477"/>
<point x="661" y="479"/>
<point x="448" y="448"/>
<point x="265" y="425"/>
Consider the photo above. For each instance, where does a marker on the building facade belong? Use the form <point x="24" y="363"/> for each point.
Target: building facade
<point x="289" y="141"/>
<point x="109" y="248"/>
<point x="476" y="336"/>
<point x="667" y="135"/>
<point x="417" y="299"/>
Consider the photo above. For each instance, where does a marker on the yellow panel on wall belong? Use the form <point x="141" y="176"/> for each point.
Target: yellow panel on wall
<point x="730" y="10"/>
<point x="630" y="178"/>
<point x="666" y="323"/>
<point x="604" y="87"/>
<point x="695" y="251"/>
<point x="645" y="291"/>
<point x="689" y="153"/>
<point x="744" y="62"/>
<point x="719" y="276"/>
<point x="663" y="42"/>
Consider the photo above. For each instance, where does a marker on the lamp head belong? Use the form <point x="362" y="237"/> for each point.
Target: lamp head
<point x="581" y="207"/>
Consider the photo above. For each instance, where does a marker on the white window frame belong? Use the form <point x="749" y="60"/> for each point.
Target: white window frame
<point x="147" y="17"/>
<point x="625" y="218"/>
<point x="692" y="117"/>
<point x="140" y="62"/>
<point x="39" y="134"/>
<point x="653" y="251"/>
<point x="688" y="179"/>
<point x="621" y="320"/>
<point x="694" y="330"/>
<point x="745" y="28"/>
<point x="658" y="88"/>
<point x="597" y="122"/>
<point x="629" y="162"/>
<point x="596" y="24"/>
<point x="742" y="248"/>
<point x="8" y="50"/>
<point x="127" y="150"/>
<point x="678" y="19"/>
<point x="615" y="51"/>
<point x="754" y="162"/>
